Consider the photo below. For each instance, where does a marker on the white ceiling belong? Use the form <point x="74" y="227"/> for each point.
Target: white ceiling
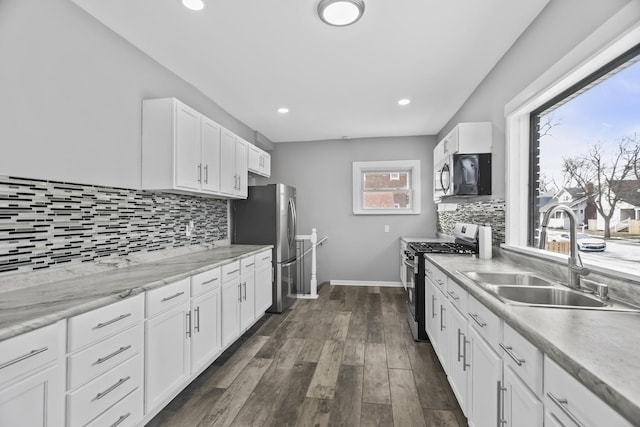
<point x="253" y="56"/>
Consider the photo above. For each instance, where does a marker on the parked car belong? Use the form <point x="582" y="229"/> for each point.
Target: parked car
<point x="585" y="242"/>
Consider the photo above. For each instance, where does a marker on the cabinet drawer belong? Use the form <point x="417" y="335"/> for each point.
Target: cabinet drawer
<point x="457" y="296"/>
<point x="100" y="357"/>
<point x="102" y="322"/>
<point x="570" y="402"/>
<point x="166" y="297"/>
<point x="263" y="258"/>
<point x="247" y="263"/>
<point x="27" y="352"/>
<point x="437" y="276"/>
<point x="87" y="402"/>
<point x="126" y="413"/>
<point x="524" y="358"/>
<point x="230" y="271"/>
<point x="204" y="282"/>
<point x="487" y="324"/>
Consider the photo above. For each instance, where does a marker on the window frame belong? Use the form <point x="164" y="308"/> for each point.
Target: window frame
<point x="390" y="166"/>
<point x="615" y="37"/>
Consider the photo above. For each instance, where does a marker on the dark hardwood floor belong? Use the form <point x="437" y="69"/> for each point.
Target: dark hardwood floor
<point x="345" y="359"/>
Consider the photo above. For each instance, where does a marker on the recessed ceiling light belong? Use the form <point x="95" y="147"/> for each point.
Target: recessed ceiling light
<point x="404" y="101"/>
<point x="193" y="4"/>
<point x="283" y="110"/>
<point x="340" y="12"/>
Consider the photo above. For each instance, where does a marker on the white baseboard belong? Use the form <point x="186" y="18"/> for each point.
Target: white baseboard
<point x="365" y="283"/>
<point x="303" y="296"/>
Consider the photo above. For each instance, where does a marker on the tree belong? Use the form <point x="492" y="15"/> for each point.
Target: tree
<point x="599" y="176"/>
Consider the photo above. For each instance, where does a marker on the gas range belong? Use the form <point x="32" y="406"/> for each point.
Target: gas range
<point x="442" y="248"/>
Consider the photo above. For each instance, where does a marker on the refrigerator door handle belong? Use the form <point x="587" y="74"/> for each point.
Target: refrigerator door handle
<point x="291" y="223"/>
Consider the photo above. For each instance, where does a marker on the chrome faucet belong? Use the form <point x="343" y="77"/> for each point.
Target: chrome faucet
<point x="576" y="269"/>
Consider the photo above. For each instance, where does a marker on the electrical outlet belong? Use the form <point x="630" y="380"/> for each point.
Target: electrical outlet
<point x="188" y="229"/>
<point x="386" y="228"/>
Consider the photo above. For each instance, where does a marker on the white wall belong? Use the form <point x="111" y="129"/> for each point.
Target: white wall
<point x="358" y="248"/>
<point x="71" y="92"/>
<point x="561" y="26"/>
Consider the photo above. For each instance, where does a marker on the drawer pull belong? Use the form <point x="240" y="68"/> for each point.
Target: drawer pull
<point x="266" y="258"/>
<point x="477" y="320"/>
<point x="121" y="419"/>
<point x="453" y="295"/>
<point x="233" y="271"/>
<point x="197" y="322"/>
<point x="209" y="281"/>
<point x="562" y="404"/>
<point x="250" y="265"/>
<point x="442" y="310"/>
<point x="115" y="353"/>
<point x="439" y="282"/>
<point x="509" y="351"/>
<point x="113" y="387"/>
<point x="23" y="357"/>
<point x="108" y="322"/>
<point x="176" y="295"/>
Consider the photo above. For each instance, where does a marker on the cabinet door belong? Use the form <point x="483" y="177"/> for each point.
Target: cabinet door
<point x="34" y="401"/>
<point x="205" y="341"/>
<point x="522" y="408"/>
<point x="431" y="313"/>
<point x="228" y="176"/>
<point x="266" y="165"/>
<point x="443" y="331"/>
<point x="188" y="165"/>
<point x="486" y="376"/>
<point x="248" y="305"/>
<point x="230" y="311"/>
<point x="210" y="155"/>
<point x="242" y="169"/>
<point x="255" y="160"/>
<point x="166" y="354"/>
<point x="458" y="356"/>
<point x="264" y="289"/>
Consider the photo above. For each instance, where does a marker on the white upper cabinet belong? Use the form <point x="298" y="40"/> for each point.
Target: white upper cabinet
<point x="259" y="161"/>
<point x="185" y="151"/>
<point x="475" y="137"/>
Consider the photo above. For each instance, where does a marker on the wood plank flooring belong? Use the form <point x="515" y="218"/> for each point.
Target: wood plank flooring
<point x="345" y="359"/>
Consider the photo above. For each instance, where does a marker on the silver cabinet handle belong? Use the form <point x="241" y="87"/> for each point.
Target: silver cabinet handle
<point x="108" y="322"/>
<point x="245" y="290"/>
<point x="477" y="320"/>
<point x="460" y="334"/>
<point x="233" y="271"/>
<point x="209" y="281"/>
<point x="266" y="258"/>
<point x="453" y="295"/>
<point x="197" y="322"/>
<point x="121" y="419"/>
<point x="206" y="174"/>
<point x="188" y="324"/>
<point x="109" y="356"/>
<point x="23" y="357"/>
<point x="176" y="295"/>
<point x="113" y="387"/>
<point x="433" y="306"/>
<point x="562" y="404"/>
<point x="500" y="405"/>
<point x="465" y="365"/>
<point x="249" y="265"/>
<point x="442" y="310"/>
<point x="199" y="172"/>
<point x="509" y="351"/>
<point x="239" y="292"/>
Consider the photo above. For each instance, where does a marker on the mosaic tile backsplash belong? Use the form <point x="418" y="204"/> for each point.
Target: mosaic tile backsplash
<point x="490" y="212"/>
<point x="46" y="223"/>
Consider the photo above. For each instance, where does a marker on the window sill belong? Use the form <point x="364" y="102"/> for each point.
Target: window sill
<point x="385" y="212"/>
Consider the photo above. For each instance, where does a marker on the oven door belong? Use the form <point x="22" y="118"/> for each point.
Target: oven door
<point x="411" y="271"/>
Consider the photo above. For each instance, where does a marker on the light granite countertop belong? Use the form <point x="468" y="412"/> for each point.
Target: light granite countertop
<point x="32" y="306"/>
<point x="599" y="348"/>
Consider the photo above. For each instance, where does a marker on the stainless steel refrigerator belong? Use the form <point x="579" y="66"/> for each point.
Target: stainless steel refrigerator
<point x="268" y="217"/>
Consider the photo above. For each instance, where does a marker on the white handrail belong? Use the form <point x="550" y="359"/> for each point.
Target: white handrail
<point x="313" y="239"/>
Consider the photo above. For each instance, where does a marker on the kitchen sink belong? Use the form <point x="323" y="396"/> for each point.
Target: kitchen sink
<point x="508" y="278"/>
<point x="546" y="296"/>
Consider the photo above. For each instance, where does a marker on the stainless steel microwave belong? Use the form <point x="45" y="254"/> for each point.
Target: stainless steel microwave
<point x="463" y="175"/>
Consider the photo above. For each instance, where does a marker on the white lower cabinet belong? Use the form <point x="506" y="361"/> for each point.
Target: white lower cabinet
<point x="248" y="293"/>
<point x="485" y="381"/>
<point x="459" y="357"/>
<point x="264" y="282"/>
<point x="205" y="336"/>
<point x="231" y="298"/>
<point x="520" y="407"/>
<point x="567" y="402"/>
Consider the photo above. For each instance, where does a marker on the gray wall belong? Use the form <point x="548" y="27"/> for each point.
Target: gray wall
<point x="358" y="248"/>
<point x="560" y="27"/>
<point x="71" y="95"/>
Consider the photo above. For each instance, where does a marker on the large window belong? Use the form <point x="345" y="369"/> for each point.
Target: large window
<point x="386" y="187"/>
<point x="585" y="155"/>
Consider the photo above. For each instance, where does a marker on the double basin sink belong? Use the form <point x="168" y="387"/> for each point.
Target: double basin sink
<point x="530" y="289"/>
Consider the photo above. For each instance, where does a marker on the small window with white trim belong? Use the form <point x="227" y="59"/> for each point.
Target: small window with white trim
<point x="386" y="187"/>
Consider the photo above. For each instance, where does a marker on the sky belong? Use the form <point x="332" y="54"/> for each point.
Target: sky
<point x="603" y="114"/>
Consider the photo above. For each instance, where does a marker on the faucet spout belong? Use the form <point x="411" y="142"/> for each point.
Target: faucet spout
<point x="576" y="269"/>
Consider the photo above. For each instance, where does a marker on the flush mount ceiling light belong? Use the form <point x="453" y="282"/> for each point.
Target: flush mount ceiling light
<point x="340" y="12"/>
<point x="193" y="4"/>
<point x="283" y="110"/>
<point x="404" y="101"/>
